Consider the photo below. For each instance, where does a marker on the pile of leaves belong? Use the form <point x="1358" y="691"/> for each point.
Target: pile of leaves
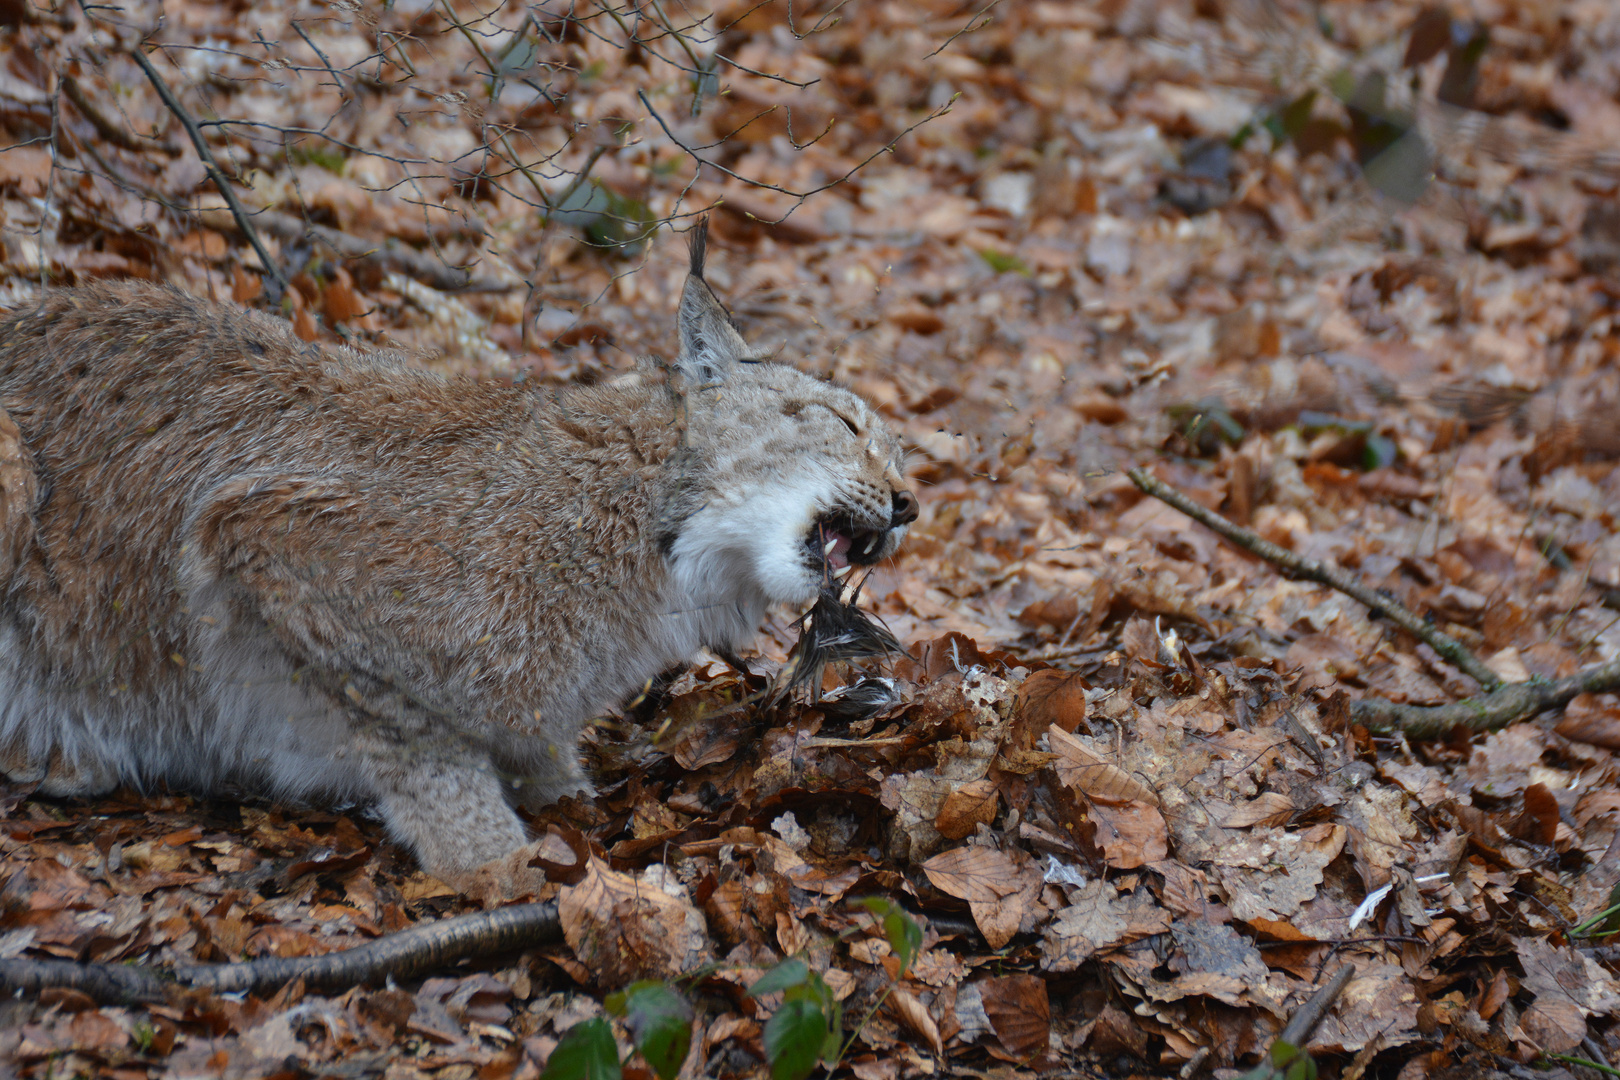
<point x="1345" y="274"/>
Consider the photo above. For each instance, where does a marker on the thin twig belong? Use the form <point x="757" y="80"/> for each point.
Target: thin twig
<point x="561" y="202"/>
<point x="971" y="25"/>
<point x="215" y="173"/>
<point x="766" y="74"/>
<point x="337" y="80"/>
<point x="799" y="196"/>
<point x="1302" y="1025"/>
<point x="1296" y="567"/>
<point x="401" y="955"/>
<point x="1488" y="712"/>
<point x="495" y="80"/>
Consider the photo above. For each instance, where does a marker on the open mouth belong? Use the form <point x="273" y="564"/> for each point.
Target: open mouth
<point x="837" y="543"/>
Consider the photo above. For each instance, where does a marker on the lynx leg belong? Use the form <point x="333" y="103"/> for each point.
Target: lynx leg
<point x="19" y="497"/>
<point x="435" y="787"/>
<point x="453" y="813"/>
<point x="350" y="594"/>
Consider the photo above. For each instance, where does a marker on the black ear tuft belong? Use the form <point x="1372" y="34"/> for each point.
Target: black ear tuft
<point x="711" y="346"/>
<point x="698" y="241"/>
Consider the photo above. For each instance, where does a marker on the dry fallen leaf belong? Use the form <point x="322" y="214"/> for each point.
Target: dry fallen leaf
<point x="1568" y="988"/>
<point x="915" y="1016"/>
<point x="997" y="885"/>
<point x="966" y="808"/>
<point x="1094" y="774"/>
<point x="1019" y="1014"/>
<point x="1050" y="699"/>
<point x="1094" y="919"/>
<point x="625" y="927"/>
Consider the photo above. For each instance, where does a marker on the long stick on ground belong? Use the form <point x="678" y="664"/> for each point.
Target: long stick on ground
<point x="407" y="953"/>
<point x="1331" y="576"/>
<point x="215" y="173"/>
<point x="1488" y="712"/>
<point x="1303" y="1024"/>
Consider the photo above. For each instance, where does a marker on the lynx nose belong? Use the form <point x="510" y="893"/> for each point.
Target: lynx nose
<point x="905" y="509"/>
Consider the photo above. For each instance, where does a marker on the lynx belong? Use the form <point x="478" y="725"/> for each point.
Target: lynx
<point x="235" y="560"/>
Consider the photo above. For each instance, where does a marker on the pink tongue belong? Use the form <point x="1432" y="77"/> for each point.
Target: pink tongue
<point x="836" y="557"/>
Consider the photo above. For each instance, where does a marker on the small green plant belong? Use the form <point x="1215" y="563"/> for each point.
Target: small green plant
<point x="1284" y="1061"/>
<point x="807" y="1030"/>
<point x="324" y="157"/>
<point x="587" y="1052"/>
<point x="145" y="1034"/>
<point x="1375" y="451"/>
<point x="1001" y="263"/>
<point x="660" y="1022"/>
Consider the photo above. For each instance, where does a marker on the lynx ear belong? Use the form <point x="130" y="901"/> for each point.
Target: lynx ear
<point x="711" y="347"/>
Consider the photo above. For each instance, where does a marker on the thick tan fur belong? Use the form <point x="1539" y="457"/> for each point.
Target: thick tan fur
<point x="232" y="558"/>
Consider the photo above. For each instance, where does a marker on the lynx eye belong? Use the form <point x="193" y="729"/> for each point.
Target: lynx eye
<point x="853" y="430"/>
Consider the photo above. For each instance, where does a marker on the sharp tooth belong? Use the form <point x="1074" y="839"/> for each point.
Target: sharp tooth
<point x="828" y="548"/>
<point x="842" y="570"/>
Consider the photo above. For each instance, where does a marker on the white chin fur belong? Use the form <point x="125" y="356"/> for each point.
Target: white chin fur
<point x="753" y="552"/>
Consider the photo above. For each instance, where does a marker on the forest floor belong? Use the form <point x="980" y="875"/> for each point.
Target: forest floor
<point x="1349" y="275"/>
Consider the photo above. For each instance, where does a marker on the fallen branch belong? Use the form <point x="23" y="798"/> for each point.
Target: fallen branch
<point x="1488" y="712"/>
<point x="1296" y="567"/>
<point x="215" y="173"/>
<point x="1284" y="1056"/>
<point x="105" y="126"/>
<point x="1500" y="706"/>
<point x="391" y="255"/>
<point x="401" y="955"/>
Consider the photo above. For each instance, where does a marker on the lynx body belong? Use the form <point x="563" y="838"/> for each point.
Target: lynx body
<point x="232" y="558"/>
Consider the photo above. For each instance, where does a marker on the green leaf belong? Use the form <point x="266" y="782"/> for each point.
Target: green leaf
<point x="1002" y="264"/>
<point x="660" y="1022"/>
<point x="794" y="1039"/>
<point x="789" y="973"/>
<point x="903" y="932"/>
<point x="815" y="990"/>
<point x="1284" y="1061"/>
<point x="586" y="1052"/>
<point x="1462" y="67"/>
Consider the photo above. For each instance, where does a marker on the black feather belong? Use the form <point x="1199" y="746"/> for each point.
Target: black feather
<point x="833" y="630"/>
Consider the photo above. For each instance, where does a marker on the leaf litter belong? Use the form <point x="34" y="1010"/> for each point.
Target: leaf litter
<point x="1113" y="775"/>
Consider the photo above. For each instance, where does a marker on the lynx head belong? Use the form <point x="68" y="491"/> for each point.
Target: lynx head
<point x="801" y="479"/>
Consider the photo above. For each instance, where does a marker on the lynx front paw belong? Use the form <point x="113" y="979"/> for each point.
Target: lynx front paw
<point x="453" y="815"/>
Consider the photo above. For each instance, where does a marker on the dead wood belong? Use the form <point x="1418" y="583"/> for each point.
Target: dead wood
<point x="1294" y="566"/>
<point x="1309" y="1015"/>
<point x="1500" y="706"/>
<point x="402" y="955"/>
<point x="215" y="173"/>
<point x="1488" y="712"/>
